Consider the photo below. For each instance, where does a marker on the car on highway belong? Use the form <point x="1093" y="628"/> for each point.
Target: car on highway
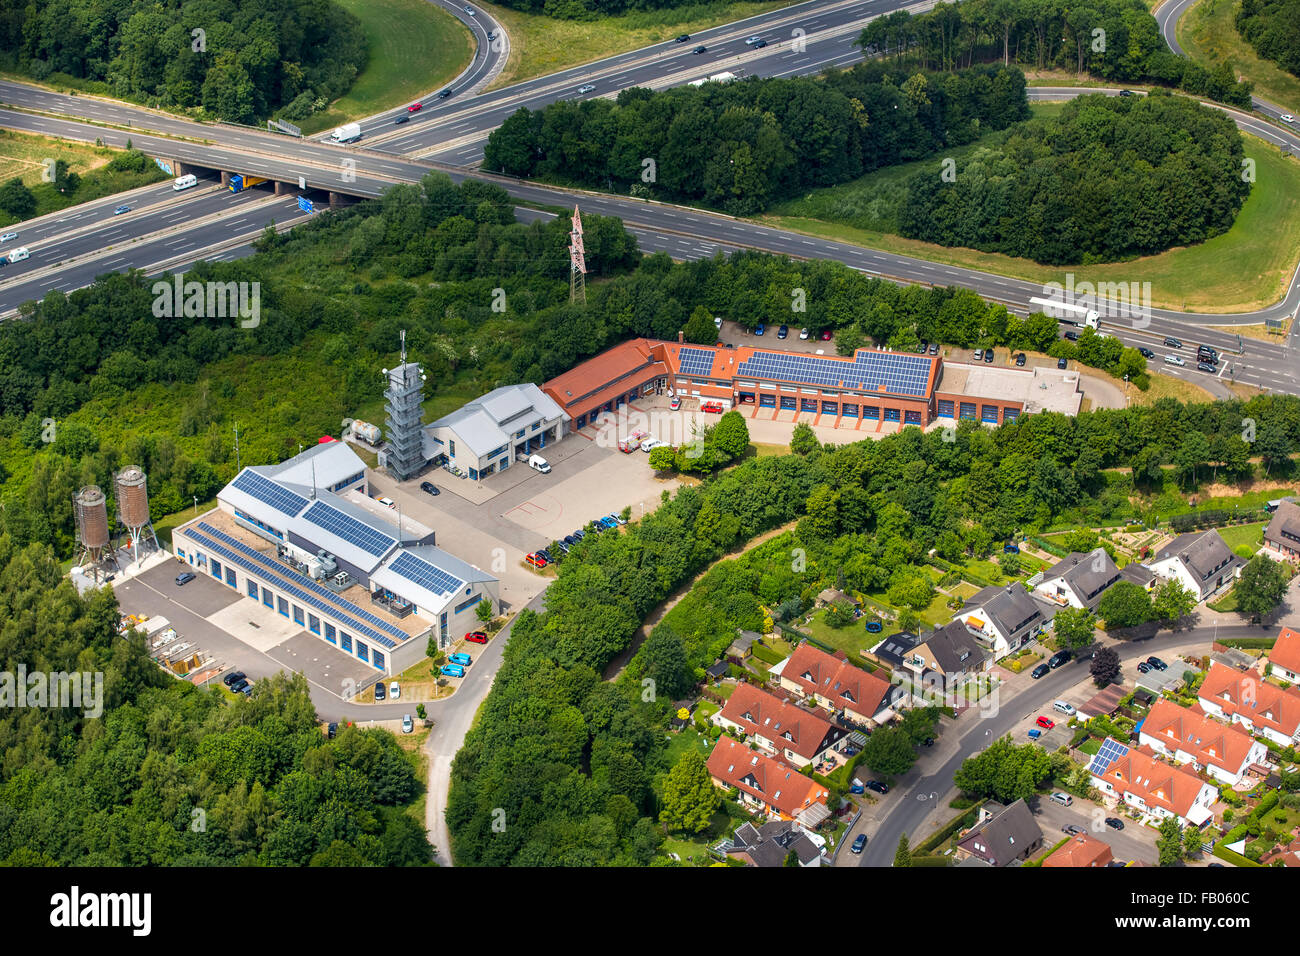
<point x="1115" y="823"/>
<point x="1125" y="92"/>
<point x="408" y="725"/>
<point x="760" y="329"/>
<point x="445" y="93"/>
<point x="1040" y="671"/>
<point x="1020" y="359"/>
<point x="1206" y="367"/>
<point x="1172" y="342"/>
<point x="804" y="333"/>
<point x="759" y="44"/>
<point x="1175" y="360"/>
<point x="379" y="691"/>
<point x="752" y="40"/>
<point x="415" y="107"/>
<point x="783" y="331"/>
<point x="429" y="488"/>
<point x="1047" y="723"/>
<point x="452" y="670"/>
<point x="1061" y="363"/>
<point x="461" y="658"/>
<point x="1157" y="663"/>
<point x="1287" y="118"/>
<point x="394" y="690"/>
<point x="400" y="119"/>
<point x="121" y="209"/>
<point x="1146" y="353"/>
<point x="476" y="637"/>
<point x="1073" y="829"/>
<point x="8" y="237"/>
<point x="233" y="678"/>
<point x="683" y="38"/>
<point x="877" y="786"/>
<point x="185" y="577"/>
<point x="586" y="88"/>
<point x="470" y="11"/>
<point x="859" y="842"/>
<point x="701" y="49"/>
<point x="675" y="404"/>
<point x="1144" y="667"/>
<point x="536" y="560"/>
<point x="1057" y="659"/>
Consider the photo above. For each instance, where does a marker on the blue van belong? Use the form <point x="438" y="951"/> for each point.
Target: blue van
<point x="460" y="658"/>
<point x="453" y="670"/>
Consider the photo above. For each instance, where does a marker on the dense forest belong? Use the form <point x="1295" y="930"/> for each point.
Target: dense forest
<point x="1110" y="178"/>
<point x="598" y="9"/>
<point x="241" y="60"/>
<point x="1272" y="27"/>
<point x="171" y="775"/>
<point x="1117" y="40"/>
<point x="566" y="761"/>
<point x="740" y="145"/>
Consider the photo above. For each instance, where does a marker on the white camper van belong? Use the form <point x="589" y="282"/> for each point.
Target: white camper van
<point x="185" y="182"/>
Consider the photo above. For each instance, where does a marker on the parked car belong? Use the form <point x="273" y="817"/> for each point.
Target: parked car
<point x="988" y="356"/>
<point x="1057" y="659"/>
<point x="1065" y="707"/>
<point x="234" y="677"/>
<point x="331" y="730"/>
<point x="1144" y="667"/>
<point x="803" y="333"/>
<point x="461" y="658"/>
<point x="714" y="408"/>
<point x="619" y="518"/>
<point x="246" y="689"/>
<point x="760" y="329"/>
<point x="1157" y="663"/>
<point x="857" y="788"/>
<point x="1034" y="733"/>
<point x="476" y="637"/>
<point x="877" y="786"/>
<point x="609" y="522"/>
<point x="1061" y="363"/>
<point x="1040" y="671"/>
<point x="1115" y="823"/>
<point x="185" y="577"/>
<point x="1073" y="829"/>
<point x="1072" y="335"/>
<point x="379" y="691"/>
<point x="544" y="555"/>
<point x="1047" y="723"/>
<point x="394" y="690"/>
<point x="979" y="355"/>
<point x="783" y="331"/>
<point x="858" y="843"/>
<point x="1020" y="359"/>
<point x="536" y="560"/>
<point x="452" y="670"/>
<point x="408" y="725"/>
<point x="429" y="488"/>
<point x="934" y="348"/>
<point x="580" y="534"/>
<point x="826" y="335"/>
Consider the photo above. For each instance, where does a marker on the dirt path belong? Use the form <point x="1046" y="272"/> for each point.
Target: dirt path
<point x="615" y="667"/>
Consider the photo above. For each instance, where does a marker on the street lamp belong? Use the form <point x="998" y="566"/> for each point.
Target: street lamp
<point x="196" y="506"/>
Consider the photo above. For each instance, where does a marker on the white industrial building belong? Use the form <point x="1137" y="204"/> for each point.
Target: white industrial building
<point x="305" y="539"/>
<point x="489" y="434"/>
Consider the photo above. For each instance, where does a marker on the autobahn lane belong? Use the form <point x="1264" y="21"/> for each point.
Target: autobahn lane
<point x="87" y="214"/>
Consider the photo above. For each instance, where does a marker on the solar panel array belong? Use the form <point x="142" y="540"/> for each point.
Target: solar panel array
<point x="899" y="373"/>
<point x="268" y="492"/>
<point x="1111" y="750"/>
<point x="697" y="361"/>
<point x="428" y="576"/>
<point x="350" y="529"/>
<point x="320" y="590"/>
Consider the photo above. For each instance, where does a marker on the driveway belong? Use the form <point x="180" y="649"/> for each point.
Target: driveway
<point x="1134" y="842"/>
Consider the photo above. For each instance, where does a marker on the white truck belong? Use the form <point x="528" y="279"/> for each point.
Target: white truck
<point x="347" y="134"/>
<point x="724" y="77"/>
<point x="1067" y="312"/>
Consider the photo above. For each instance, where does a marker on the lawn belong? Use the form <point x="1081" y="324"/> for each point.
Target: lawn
<point x="851" y="639"/>
<point x="1248" y="537"/>
<point x="540" y="44"/>
<point x="414" y="48"/>
<point x="1246" y="268"/>
<point x="1207" y="33"/>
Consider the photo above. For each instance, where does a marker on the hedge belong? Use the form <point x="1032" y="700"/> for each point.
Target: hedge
<point x="1249" y="643"/>
<point x="1236" y="859"/>
<point x="931" y="861"/>
<point x="766" y="654"/>
<point x="1047" y="546"/>
<point x="947" y="830"/>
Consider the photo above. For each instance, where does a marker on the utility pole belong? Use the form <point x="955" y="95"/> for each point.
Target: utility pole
<point x="238" y="467"/>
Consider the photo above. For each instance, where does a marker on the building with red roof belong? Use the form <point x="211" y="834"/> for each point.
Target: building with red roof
<point x="779" y="791"/>
<point x="1247" y="699"/>
<point x="1285" y="656"/>
<point x="1189" y="735"/>
<point x="834" y="683"/>
<point x="1081" y="850"/>
<point x="779" y="727"/>
<point x="1137" y="778"/>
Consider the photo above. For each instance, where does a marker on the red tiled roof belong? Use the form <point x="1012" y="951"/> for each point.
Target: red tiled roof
<point x="780" y="787"/>
<point x="1158" y="784"/>
<point x="1190" y="729"/>
<point x="1286" y="652"/>
<point x="790" y="727"/>
<point x="1264" y="704"/>
<point x="600" y="373"/>
<point x="836" y="679"/>
<point x="1081" y="850"/>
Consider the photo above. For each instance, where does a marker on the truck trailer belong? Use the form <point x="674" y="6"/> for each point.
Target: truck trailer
<point x="1067" y="312"/>
<point x="347" y="134"/>
<point x="238" y="182"/>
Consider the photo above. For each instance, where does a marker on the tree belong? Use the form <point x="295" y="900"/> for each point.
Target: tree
<point x="889" y="751"/>
<point x="16" y="199"/>
<point x="803" y="439"/>
<point x="1004" y="771"/>
<point x="689" y="796"/>
<point x="731" y="434"/>
<point x="484" y="611"/>
<point x="1075" y="627"/>
<point x="700" y="328"/>
<point x="903" y="855"/>
<point x="1105" y="666"/>
<point x="1171" y="601"/>
<point x="1170" y="842"/>
<point x="791" y="859"/>
<point x="839" y="614"/>
<point x="1261" y="587"/>
<point x="1125" y="604"/>
<point x="663" y="458"/>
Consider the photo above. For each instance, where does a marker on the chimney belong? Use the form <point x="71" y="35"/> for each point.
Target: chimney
<point x="681" y="336"/>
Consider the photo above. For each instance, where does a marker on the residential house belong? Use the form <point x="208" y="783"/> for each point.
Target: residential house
<point x="1282" y="536"/>
<point x="1008" y="835"/>
<point x="1079" y="580"/>
<point x="770" y="845"/>
<point x="767" y="785"/>
<point x="1137" y="778"/>
<point x="838" y="685"/>
<point x="1189" y="735"/>
<point x="1246" y="699"/>
<point x="1007" y="617"/>
<point x="778" y="727"/>
<point x="1285" y="656"/>
<point x="1200" y="561"/>
<point x="1081" y="850"/>
<point x="946" y="658"/>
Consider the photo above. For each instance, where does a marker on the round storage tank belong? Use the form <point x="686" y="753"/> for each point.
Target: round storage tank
<point x="92" y="517"/>
<point x="132" y="497"/>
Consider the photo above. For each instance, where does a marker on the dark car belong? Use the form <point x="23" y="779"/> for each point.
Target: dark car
<point x="569" y="540"/>
<point x="1039" y="671"/>
<point x="683" y="38"/>
<point x="331" y="731"/>
<point x="1061" y="363"/>
<point x="759" y="44"/>
<point x="238" y="686"/>
<point x="247" y="689"/>
<point x="1115" y="823"/>
<point x="185" y="577"/>
<point x="429" y="488"/>
<point x="399" y="120"/>
<point x="877" y="786"/>
<point x="544" y="554"/>
<point x="1157" y="663"/>
<point x="1206" y="367"/>
<point x="121" y="209"/>
<point x="444" y="94"/>
<point x="858" y="843"/>
<point x="1146" y="353"/>
<point x="700" y="49"/>
<point x="1072" y="336"/>
<point x="988" y="357"/>
<point x="1020" y="359"/>
<point x="1057" y="659"/>
<point x="1144" y="667"/>
<point x="783" y="331"/>
<point x="1125" y="92"/>
<point x="1172" y="342"/>
<point x="579" y="534"/>
<point x="1073" y="829"/>
<point x="234" y="677"/>
<point x="380" y="693"/>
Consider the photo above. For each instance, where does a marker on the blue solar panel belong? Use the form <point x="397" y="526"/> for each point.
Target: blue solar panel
<point x="426" y="575"/>
<point x="320" y="590"/>
<point x="267" y="491"/>
<point x="1111" y="750"/>
<point x="350" y="529"/>
<point x="697" y="361"/>
<point x="899" y="373"/>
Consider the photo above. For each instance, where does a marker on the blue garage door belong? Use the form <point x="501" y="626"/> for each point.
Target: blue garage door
<point x="891" y="414"/>
<point x="807" y="404"/>
<point x="830" y="408"/>
<point x="767" y="401"/>
<point x="989" y="413"/>
<point x="1010" y="414"/>
<point x="967" y="409"/>
<point x="871" y="411"/>
<point x="946" y="408"/>
<point x="850" y="411"/>
<point x="787" y="403"/>
<point x="912" y="418"/>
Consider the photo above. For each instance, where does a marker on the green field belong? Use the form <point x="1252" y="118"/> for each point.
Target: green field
<point x="1246" y="268"/>
<point x="1248" y="537"/>
<point x="414" y="47"/>
<point x="1206" y="32"/>
<point x="540" y="44"/>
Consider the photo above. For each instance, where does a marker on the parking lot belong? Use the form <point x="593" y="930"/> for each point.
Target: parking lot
<point x="1134" y="842"/>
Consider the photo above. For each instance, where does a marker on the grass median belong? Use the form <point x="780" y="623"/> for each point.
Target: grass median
<point x="1208" y="35"/>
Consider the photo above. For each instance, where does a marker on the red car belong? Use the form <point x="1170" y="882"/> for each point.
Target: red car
<point x="415" y="107"/>
<point x="826" y="336"/>
<point x="536" y="560"/>
<point x="714" y="407"/>
<point x="476" y="637"/>
<point x="1046" y="723"/>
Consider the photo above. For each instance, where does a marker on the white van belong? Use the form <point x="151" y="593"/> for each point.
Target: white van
<point x="386" y="502"/>
<point x="538" y="463"/>
<point x="19" y="254"/>
<point x="185" y="182"/>
<point x="1065" y="708"/>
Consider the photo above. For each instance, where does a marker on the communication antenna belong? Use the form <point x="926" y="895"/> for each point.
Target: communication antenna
<point x="577" y="262"/>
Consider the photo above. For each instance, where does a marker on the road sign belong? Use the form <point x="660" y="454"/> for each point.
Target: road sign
<point x="305" y="204"/>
